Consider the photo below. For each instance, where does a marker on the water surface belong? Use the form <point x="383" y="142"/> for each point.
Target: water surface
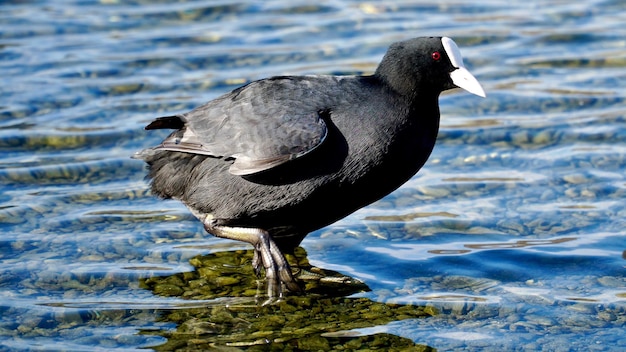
<point x="510" y="238"/>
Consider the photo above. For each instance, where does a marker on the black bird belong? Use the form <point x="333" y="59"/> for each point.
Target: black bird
<point x="280" y="157"/>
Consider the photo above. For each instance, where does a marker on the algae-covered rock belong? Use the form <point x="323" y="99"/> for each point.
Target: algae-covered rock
<point x="230" y="274"/>
<point x="312" y="323"/>
<point x="321" y="318"/>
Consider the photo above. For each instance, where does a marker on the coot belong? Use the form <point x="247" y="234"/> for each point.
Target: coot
<point x="280" y="157"/>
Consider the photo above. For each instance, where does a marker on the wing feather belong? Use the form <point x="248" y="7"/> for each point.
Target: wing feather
<point x="261" y="125"/>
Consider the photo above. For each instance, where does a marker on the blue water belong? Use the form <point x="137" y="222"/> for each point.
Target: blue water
<point x="513" y="231"/>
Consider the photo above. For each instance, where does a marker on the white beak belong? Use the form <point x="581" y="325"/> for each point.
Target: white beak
<point x="461" y="77"/>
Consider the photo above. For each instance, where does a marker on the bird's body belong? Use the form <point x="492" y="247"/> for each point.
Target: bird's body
<point x="285" y="156"/>
<point x="350" y="168"/>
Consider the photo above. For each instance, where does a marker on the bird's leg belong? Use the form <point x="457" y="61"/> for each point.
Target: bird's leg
<point x="256" y="263"/>
<point x="266" y="253"/>
<point x="284" y="269"/>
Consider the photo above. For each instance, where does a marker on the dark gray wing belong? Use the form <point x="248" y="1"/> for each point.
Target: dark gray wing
<point x="261" y="125"/>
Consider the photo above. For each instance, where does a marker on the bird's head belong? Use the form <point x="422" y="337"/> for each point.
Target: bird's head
<point x="426" y="65"/>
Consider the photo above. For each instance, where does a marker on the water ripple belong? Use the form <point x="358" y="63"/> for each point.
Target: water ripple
<point x="511" y="236"/>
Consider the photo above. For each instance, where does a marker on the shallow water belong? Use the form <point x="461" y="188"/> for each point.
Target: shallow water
<point x="510" y="238"/>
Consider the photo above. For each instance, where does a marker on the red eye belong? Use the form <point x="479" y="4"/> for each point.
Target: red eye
<point x="436" y="56"/>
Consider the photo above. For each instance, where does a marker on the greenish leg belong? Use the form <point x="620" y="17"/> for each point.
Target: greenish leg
<point x="266" y="253"/>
